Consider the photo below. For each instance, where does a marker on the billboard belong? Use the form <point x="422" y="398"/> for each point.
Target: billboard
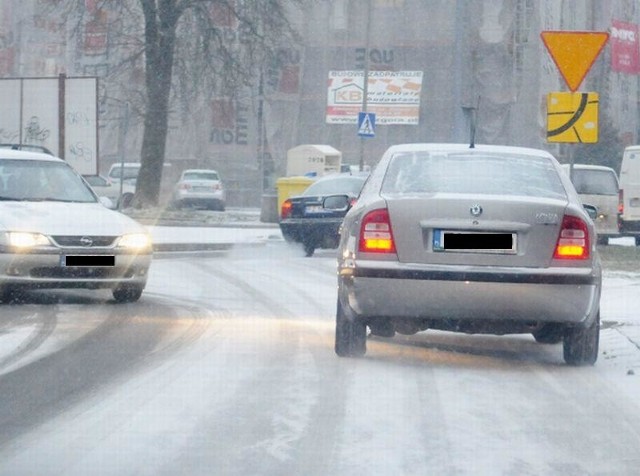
<point x="393" y="96"/>
<point x="57" y="113"/>
<point x="625" y="50"/>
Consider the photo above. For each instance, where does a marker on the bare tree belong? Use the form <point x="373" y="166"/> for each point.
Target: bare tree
<point x="191" y="32"/>
<point x="218" y="45"/>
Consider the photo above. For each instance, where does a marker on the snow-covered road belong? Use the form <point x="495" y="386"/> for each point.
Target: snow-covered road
<point x="226" y="366"/>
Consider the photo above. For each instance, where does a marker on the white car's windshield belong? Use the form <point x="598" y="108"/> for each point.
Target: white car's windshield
<point x="35" y="180"/>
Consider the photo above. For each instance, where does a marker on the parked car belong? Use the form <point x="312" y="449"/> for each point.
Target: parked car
<point x="126" y="170"/>
<point x="106" y="188"/>
<point x="489" y="239"/>
<point x="598" y="186"/>
<point x="630" y="192"/>
<point x="56" y="233"/>
<point x="199" y="187"/>
<point x="313" y="220"/>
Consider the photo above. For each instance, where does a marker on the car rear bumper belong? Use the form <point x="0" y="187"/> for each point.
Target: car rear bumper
<point x="46" y="271"/>
<point x="450" y="293"/>
<point x="317" y="230"/>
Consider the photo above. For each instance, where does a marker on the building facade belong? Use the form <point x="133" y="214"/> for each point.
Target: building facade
<point x="479" y="59"/>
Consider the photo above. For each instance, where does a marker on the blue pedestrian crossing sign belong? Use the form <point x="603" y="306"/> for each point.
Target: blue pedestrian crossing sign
<point x="366" y="124"/>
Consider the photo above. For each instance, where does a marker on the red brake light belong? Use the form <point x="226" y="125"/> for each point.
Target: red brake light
<point x="285" y="209"/>
<point x="573" y="242"/>
<point x="620" y="202"/>
<point x="375" y="233"/>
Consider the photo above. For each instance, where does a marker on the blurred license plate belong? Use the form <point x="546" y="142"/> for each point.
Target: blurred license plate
<point x="88" y="260"/>
<point x="314" y="209"/>
<point x="464" y="241"/>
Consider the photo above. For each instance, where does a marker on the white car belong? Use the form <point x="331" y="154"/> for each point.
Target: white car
<point x="56" y="233"/>
<point x="598" y="186"/>
<point x="199" y="187"/>
<point x="111" y="190"/>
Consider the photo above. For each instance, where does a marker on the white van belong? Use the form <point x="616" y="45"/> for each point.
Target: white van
<point x="630" y="192"/>
<point x="598" y="186"/>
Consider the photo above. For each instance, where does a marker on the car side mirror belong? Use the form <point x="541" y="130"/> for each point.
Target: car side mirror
<point x="591" y="210"/>
<point x="336" y="202"/>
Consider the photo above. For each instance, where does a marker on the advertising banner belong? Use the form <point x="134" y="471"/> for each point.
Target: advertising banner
<point x="625" y="50"/>
<point x="393" y="96"/>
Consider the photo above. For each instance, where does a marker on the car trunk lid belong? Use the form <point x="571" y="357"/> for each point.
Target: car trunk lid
<point x="486" y="231"/>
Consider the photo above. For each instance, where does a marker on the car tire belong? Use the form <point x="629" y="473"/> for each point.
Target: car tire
<point x="309" y="248"/>
<point x="550" y="333"/>
<point x="580" y="344"/>
<point x="127" y="293"/>
<point x="637" y="238"/>
<point x="602" y="240"/>
<point x="7" y="294"/>
<point x="351" y="335"/>
<point x="126" y="200"/>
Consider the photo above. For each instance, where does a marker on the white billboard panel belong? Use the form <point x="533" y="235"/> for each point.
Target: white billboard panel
<point x="33" y="113"/>
<point x="40" y="112"/>
<point x="81" y="141"/>
<point x="393" y="96"/>
<point x="10" y="117"/>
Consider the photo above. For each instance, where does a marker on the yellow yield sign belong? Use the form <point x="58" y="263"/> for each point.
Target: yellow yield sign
<point x="572" y="117"/>
<point x="574" y="52"/>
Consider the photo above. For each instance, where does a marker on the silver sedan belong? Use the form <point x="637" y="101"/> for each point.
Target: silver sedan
<point x="484" y="239"/>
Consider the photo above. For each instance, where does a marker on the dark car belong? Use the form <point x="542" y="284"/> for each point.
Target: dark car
<point x="314" y="217"/>
<point x="487" y="239"/>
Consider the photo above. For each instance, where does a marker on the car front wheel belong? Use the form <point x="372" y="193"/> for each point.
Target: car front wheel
<point x="127" y="293"/>
<point x="351" y="335"/>
<point x="309" y="248"/>
<point x="580" y="344"/>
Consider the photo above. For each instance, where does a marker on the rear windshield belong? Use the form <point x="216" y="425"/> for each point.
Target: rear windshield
<point x="342" y="185"/>
<point x="490" y="174"/>
<point x="200" y="176"/>
<point x="130" y="171"/>
<point x="594" y="182"/>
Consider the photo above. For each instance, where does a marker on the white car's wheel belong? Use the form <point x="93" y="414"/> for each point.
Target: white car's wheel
<point x="127" y="293"/>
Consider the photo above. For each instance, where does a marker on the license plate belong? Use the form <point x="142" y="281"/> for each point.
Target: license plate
<point x="474" y="242"/>
<point x="88" y="260"/>
<point x="314" y="209"/>
<point x="634" y="202"/>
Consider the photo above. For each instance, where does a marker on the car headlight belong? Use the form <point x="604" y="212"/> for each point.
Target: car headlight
<point x="135" y="241"/>
<point x="24" y="240"/>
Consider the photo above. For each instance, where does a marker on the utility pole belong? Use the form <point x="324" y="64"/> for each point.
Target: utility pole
<point x="365" y="88"/>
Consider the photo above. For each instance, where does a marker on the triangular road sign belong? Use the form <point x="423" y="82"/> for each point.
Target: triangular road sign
<point x="574" y="52"/>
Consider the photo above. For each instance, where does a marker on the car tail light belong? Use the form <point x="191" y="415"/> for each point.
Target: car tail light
<point x="620" y="202"/>
<point x="573" y="241"/>
<point x="375" y="233"/>
<point x="285" y="209"/>
<point x="185" y="186"/>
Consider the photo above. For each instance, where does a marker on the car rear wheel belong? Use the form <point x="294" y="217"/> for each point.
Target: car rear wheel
<point x="580" y="344"/>
<point x="550" y="333"/>
<point x="351" y="335"/>
<point x="127" y="293"/>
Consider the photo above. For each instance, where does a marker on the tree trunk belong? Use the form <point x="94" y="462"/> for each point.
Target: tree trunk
<point x="160" y="30"/>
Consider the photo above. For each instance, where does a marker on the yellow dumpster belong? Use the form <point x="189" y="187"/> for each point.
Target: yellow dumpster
<point x="291" y="186"/>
